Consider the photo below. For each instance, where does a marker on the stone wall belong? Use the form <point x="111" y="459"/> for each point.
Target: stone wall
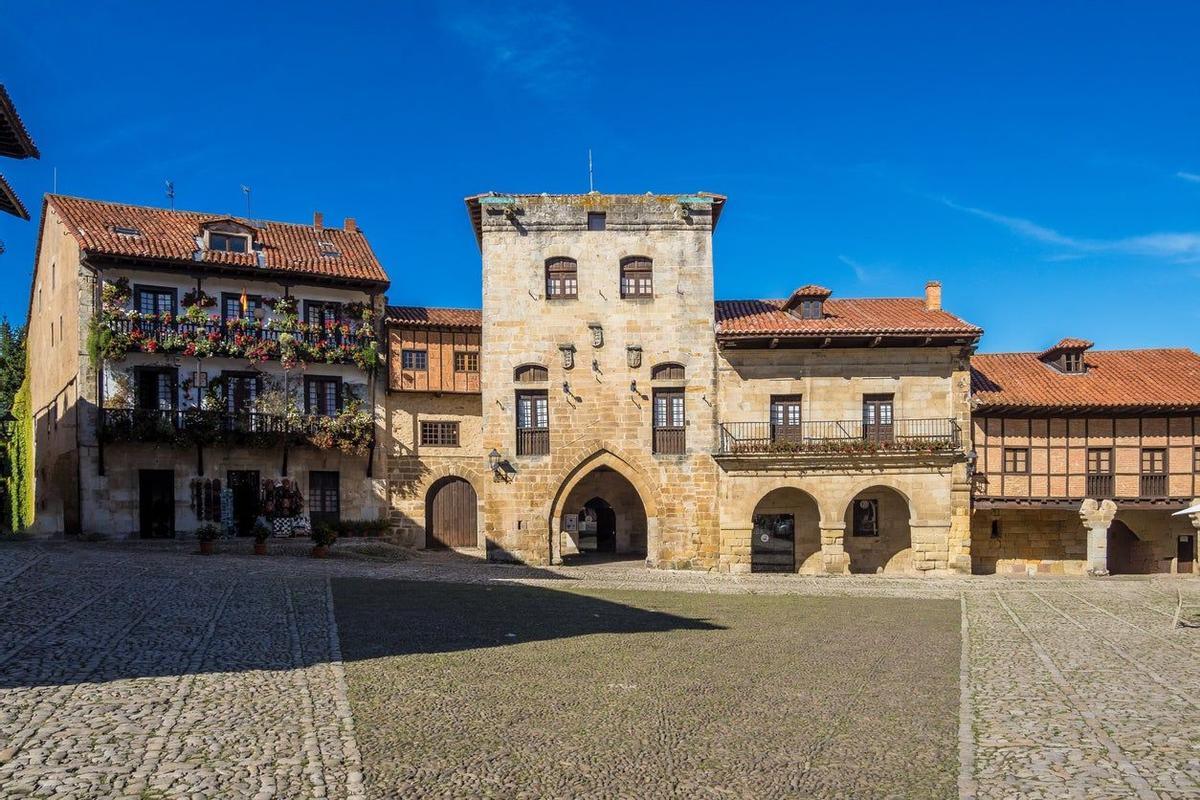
<point x="600" y="417"/>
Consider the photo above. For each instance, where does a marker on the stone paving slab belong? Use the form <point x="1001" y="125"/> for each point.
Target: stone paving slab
<point x="140" y="670"/>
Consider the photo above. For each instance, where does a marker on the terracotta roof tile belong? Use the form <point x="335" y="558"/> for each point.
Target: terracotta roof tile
<point x="1067" y="345"/>
<point x="1114" y="379"/>
<point x="166" y="235"/>
<point x="9" y="202"/>
<point x="424" y="316"/>
<point x="15" y="141"/>
<point x="812" y="290"/>
<point x="857" y="316"/>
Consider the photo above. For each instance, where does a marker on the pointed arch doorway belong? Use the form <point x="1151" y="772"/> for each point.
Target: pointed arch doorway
<point x="602" y="511"/>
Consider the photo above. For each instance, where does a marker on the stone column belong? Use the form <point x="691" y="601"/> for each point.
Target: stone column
<point x="734" y="555"/>
<point x="1096" y="518"/>
<point x="931" y="543"/>
<point x="833" y="549"/>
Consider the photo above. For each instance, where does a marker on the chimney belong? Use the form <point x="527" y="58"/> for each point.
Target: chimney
<point x="318" y="220"/>
<point x="933" y="296"/>
<point x="351" y="225"/>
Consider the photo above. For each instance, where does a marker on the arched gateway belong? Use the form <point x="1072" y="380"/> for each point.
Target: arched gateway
<point x="603" y="508"/>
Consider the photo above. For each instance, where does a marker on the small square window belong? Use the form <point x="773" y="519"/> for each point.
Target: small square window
<point x="230" y="243"/>
<point x="414" y="359"/>
<point x="1016" y="460"/>
<point x="596" y="221"/>
<point x="466" y="362"/>
<point x="812" y="309"/>
<point x="439" y="434"/>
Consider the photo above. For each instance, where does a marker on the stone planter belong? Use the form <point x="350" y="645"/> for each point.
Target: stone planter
<point x="320" y="551"/>
<point x="207" y="547"/>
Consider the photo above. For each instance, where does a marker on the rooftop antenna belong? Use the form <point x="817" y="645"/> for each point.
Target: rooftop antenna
<point x="56" y="180"/>
<point x="591" y="182"/>
<point x="171" y="194"/>
<point x="246" y="191"/>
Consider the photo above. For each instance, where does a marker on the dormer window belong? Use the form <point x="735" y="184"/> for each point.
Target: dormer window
<point x="328" y="250"/>
<point x="228" y="242"/>
<point x="808" y="302"/>
<point x="1067" y="356"/>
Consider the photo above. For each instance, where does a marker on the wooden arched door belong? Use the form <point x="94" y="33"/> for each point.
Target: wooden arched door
<point x="450" y="514"/>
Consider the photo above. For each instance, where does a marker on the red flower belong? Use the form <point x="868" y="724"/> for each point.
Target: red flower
<point x="150" y="346"/>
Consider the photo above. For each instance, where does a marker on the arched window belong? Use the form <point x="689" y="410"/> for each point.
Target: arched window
<point x="637" y="277"/>
<point x="531" y="373"/>
<point x="669" y="371"/>
<point x="561" y="278"/>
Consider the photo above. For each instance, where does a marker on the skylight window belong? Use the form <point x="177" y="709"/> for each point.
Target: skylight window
<point x="328" y="250"/>
<point x="125" y="230"/>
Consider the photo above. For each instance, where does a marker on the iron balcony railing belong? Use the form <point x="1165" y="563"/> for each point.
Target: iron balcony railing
<point x="157" y="329"/>
<point x="196" y="426"/>
<point x="840" y="436"/>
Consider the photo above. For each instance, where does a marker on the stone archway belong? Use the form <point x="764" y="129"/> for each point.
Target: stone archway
<point x="606" y="475"/>
<point x="787" y="533"/>
<point x="878" y="535"/>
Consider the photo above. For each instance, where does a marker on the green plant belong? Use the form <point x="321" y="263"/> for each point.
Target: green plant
<point x="208" y="532"/>
<point x="19" y="453"/>
<point x="262" y="531"/>
<point x="324" y="535"/>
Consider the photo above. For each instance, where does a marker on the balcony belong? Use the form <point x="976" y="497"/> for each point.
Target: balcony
<point x="845" y="437"/>
<point x="349" y="431"/>
<point x="1153" y="486"/>
<point x="291" y="343"/>
<point x="670" y="440"/>
<point x="533" y="441"/>
<point x="1101" y="486"/>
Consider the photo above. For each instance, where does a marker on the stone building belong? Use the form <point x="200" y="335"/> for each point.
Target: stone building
<point x="175" y="354"/>
<point x="1083" y="455"/>
<point x="605" y="402"/>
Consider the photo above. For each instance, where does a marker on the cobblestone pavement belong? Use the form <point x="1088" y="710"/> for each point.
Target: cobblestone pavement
<point x="139" y="670"/>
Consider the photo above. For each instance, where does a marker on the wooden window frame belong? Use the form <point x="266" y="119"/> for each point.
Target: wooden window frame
<point x="597" y="221"/>
<point x="669" y="430"/>
<point x="439" y="433"/>
<point x="143" y="288"/>
<point x="1072" y="363"/>
<point x="668" y="371"/>
<point x="1101" y="454"/>
<point x="322" y="305"/>
<point x="248" y="245"/>
<point x="812" y="309"/>
<point x="531" y="444"/>
<point x="339" y="399"/>
<point x="252" y="301"/>
<point x="140" y="374"/>
<point x="1016" y="461"/>
<point x="637" y="278"/>
<point x="1152" y="452"/>
<point x="226" y="374"/>
<point x="466" y="356"/>
<point x="1196" y="460"/>
<point x="562" y="282"/>
<point x="538" y="373"/>
<point x="406" y="352"/>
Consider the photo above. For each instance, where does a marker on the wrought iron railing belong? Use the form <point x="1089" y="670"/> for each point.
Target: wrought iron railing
<point x="839" y="436"/>
<point x="533" y="441"/>
<point x="670" y="441"/>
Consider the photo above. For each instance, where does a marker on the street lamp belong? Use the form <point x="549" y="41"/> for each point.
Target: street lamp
<point x="494" y="460"/>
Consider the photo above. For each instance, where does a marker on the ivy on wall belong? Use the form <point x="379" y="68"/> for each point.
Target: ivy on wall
<point x="19" y="458"/>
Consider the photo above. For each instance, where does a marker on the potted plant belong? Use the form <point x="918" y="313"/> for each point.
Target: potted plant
<point x="262" y="532"/>
<point x="323" y="538"/>
<point x="208" y="535"/>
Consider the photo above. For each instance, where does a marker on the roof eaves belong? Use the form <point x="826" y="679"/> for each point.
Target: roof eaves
<point x="10" y="202"/>
<point x="8" y="112"/>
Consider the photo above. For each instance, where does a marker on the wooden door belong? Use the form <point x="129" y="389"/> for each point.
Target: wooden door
<point x="324" y="497"/>
<point x="245" y="485"/>
<point x="785" y="418"/>
<point x="1187" y="554"/>
<point x="450" y="510"/>
<point x="156" y="503"/>
<point x="878" y="423"/>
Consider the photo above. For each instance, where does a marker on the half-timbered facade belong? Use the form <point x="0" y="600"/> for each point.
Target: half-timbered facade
<point x="186" y="366"/>
<point x="1082" y="456"/>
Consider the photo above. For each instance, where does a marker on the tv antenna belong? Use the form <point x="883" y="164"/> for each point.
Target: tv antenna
<point x="171" y="194"/>
<point x="591" y="181"/>
<point x="246" y="191"/>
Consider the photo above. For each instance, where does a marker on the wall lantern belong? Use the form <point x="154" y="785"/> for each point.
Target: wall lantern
<point x="633" y="387"/>
<point x="494" y="460"/>
<point x="597" y="334"/>
<point x="568" y="355"/>
<point x="633" y="356"/>
<point x="501" y="469"/>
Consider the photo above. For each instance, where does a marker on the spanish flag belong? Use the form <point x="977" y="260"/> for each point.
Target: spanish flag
<point x="245" y="302"/>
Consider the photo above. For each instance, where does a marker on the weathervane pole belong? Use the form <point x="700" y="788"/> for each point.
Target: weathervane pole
<point x="591" y="182"/>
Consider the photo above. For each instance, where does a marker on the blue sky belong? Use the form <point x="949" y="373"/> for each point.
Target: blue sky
<point x="1041" y="160"/>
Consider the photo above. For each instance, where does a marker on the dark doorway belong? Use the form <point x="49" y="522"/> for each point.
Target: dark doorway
<point x="156" y="503"/>
<point x="1186" y="554"/>
<point x="450" y="514"/>
<point x="601" y="526"/>
<point x="324" y="497"/>
<point x="773" y="543"/>
<point x="244" y="483"/>
<point x="1127" y="554"/>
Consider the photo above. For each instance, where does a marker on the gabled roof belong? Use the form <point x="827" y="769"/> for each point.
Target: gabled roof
<point x="1115" y="380"/>
<point x="170" y="237"/>
<point x="1067" y="345"/>
<point x="15" y="141"/>
<point x="901" y="316"/>
<point x="426" y="317"/>
<point x="9" y="202"/>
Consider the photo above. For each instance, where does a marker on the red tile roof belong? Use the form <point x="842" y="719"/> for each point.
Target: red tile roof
<point x="812" y="290"/>
<point x="1115" y="379"/>
<point x="170" y="236"/>
<point x="1067" y="345"/>
<point x="854" y="317"/>
<point x="423" y="316"/>
<point x="9" y="202"/>
<point x="15" y="141"/>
